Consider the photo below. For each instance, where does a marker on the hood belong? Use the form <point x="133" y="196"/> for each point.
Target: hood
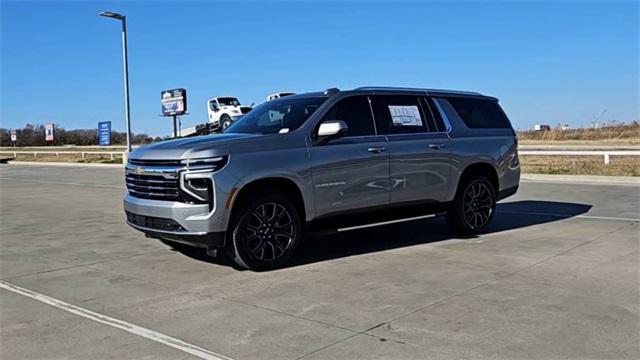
<point x="192" y="147"/>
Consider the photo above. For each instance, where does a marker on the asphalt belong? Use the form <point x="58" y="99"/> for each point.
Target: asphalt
<point x="556" y="276"/>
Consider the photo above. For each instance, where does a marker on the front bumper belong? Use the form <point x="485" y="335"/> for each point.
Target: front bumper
<point x="199" y="224"/>
<point x="184" y="223"/>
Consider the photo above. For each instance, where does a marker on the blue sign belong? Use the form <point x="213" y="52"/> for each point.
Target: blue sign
<point x="104" y="133"/>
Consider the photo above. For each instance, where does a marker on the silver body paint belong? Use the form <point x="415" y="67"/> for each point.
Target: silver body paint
<point x="341" y="175"/>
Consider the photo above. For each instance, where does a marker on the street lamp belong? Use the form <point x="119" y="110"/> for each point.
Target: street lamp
<point x="123" y="19"/>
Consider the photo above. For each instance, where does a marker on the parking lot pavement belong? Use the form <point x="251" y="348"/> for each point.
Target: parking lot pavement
<point x="556" y="277"/>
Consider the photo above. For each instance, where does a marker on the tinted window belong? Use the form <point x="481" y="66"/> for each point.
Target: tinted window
<point x="437" y="117"/>
<point x="397" y="114"/>
<point x="356" y="113"/>
<point x="272" y="116"/>
<point x="228" y="101"/>
<point x="480" y="113"/>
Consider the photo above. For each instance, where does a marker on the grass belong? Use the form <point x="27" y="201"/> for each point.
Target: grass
<point x="117" y="148"/>
<point x="581" y="165"/>
<point x="624" y="134"/>
<point x="89" y="158"/>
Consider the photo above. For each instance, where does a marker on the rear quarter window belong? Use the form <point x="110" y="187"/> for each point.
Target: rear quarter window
<point x="480" y="113"/>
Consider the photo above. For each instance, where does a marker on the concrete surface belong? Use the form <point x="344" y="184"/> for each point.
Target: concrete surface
<point x="632" y="180"/>
<point x="556" y="277"/>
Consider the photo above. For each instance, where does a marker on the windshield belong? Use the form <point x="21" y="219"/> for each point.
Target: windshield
<point x="270" y="117"/>
<point x="228" y="101"/>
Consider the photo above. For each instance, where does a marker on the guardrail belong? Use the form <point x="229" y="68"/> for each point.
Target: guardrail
<point x="606" y="154"/>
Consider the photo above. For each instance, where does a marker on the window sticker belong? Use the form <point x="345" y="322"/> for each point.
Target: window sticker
<point x="405" y="115"/>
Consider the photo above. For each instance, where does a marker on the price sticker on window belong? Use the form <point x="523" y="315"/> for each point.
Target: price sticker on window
<point x="405" y="115"/>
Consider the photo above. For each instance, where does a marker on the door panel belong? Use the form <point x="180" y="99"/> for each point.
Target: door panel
<point x="419" y="166"/>
<point x="350" y="173"/>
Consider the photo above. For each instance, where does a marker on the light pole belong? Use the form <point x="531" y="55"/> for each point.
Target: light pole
<point x="125" y="66"/>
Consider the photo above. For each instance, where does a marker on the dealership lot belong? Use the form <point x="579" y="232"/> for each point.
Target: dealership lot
<point x="556" y="277"/>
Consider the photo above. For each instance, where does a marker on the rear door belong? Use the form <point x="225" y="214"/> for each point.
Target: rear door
<point x="419" y="164"/>
<point x="351" y="172"/>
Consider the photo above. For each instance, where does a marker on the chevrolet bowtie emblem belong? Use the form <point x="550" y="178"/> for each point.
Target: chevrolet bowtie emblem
<point x="139" y="170"/>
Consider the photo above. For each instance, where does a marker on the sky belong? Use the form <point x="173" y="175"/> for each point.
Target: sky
<point x="547" y="62"/>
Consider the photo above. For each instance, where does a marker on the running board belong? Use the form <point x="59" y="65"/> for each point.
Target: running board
<point x="382" y="223"/>
<point x="340" y="223"/>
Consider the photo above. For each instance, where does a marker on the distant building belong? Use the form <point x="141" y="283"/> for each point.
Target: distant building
<point x="541" y="127"/>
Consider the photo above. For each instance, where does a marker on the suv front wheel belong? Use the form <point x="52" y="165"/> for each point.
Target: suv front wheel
<point x="266" y="232"/>
<point x="473" y="207"/>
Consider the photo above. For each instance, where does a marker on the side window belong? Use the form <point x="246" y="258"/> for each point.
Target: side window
<point x="400" y="114"/>
<point x="437" y="117"/>
<point x="356" y="113"/>
<point x="480" y="113"/>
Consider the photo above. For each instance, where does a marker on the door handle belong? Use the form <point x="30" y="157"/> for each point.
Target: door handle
<point x="436" y="146"/>
<point x="376" y="150"/>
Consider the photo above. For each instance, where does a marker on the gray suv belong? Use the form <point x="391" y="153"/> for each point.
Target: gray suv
<point x="338" y="159"/>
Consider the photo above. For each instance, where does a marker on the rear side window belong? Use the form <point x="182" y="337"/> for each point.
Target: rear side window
<point x="398" y="114"/>
<point x="356" y="113"/>
<point x="480" y="113"/>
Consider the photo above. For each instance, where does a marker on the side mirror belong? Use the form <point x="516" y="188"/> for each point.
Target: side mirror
<point x="331" y="129"/>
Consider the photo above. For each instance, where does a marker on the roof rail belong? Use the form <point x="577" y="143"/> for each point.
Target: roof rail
<point x="331" y="91"/>
<point x="383" y="88"/>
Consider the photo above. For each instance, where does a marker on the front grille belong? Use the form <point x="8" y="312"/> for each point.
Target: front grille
<point x="154" y="187"/>
<point x="154" y="223"/>
<point x="245" y="109"/>
<point x="155" y="162"/>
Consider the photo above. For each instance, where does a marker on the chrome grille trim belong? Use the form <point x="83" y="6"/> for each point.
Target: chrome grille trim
<point x="153" y="182"/>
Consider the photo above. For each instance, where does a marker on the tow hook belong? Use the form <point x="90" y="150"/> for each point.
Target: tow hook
<point x="212" y="251"/>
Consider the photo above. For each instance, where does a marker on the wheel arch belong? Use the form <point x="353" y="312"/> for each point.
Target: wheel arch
<point x="282" y="185"/>
<point x="481" y="169"/>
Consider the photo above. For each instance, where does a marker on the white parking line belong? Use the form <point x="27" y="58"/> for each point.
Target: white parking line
<point x="568" y="215"/>
<point x="123" y="325"/>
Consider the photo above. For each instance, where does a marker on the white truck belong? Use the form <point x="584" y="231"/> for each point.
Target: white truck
<point x="278" y="95"/>
<point x="224" y="110"/>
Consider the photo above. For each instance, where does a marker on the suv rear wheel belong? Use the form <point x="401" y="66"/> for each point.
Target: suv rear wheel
<point x="473" y="207"/>
<point x="266" y="233"/>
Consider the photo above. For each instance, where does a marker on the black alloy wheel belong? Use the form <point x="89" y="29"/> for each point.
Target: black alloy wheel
<point x="269" y="232"/>
<point x="266" y="233"/>
<point x="478" y="205"/>
<point x="473" y="207"/>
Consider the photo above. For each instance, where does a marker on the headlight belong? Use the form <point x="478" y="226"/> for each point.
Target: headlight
<point x="235" y="111"/>
<point x="208" y="164"/>
<point x="196" y="180"/>
<point x="200" y="188"/>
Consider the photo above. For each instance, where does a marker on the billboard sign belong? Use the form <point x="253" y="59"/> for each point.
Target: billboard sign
<point x="14" y="135"/>
<point x="104" y="133"/>
<point x="48" y="132"/>
<point x="174" y="102"/>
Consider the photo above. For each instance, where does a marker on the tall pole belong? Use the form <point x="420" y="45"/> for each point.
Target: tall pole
<point x="125" y="65"/>
<point x="175" y="128"/>
<point x="125" y="69"/>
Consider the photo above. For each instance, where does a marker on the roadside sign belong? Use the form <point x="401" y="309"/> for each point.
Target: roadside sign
<point x="14" y="135"/>
<point x="104" y="133"/>
<point x="48" y="132"/>
<point x="174" y="102"/>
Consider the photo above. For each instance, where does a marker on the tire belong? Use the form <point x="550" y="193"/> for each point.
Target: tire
<point x="225" y="121"/>
<point x="266" y="232"/>
<point x="473" y="207"/>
